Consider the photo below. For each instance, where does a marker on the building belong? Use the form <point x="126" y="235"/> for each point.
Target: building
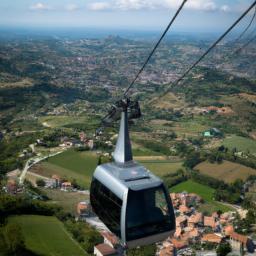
<point x="11" y="186"/>
<point x="212" y="238"/>
<point x="104" y="250"/>
<point x="195" y="219"/>
<point x="57" y="180"/>
<point x="110" y="239"/>
<point x="210" y="222"/>
<point x="83" y="210"/>
<point x="66" y="186"/>
<point x="239" y="242"/>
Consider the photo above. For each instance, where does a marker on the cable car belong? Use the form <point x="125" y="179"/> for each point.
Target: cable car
<point x="131" y="201"/>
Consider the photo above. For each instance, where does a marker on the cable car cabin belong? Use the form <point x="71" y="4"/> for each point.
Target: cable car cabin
<point x="133" y="203"/>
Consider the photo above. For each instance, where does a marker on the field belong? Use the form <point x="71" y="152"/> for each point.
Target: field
<point x="67" y="200"/>
<point x="47" y="236"/>
<point x="162" y="167"/>
<point x="240" y="143"/>
<point x="70" y="164"/>
<point x="81" y="165"/>
<point x="226" y="171"/>
<point x="205" y="192"/>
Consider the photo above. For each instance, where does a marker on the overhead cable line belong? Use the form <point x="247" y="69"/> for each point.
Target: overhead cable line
<point x="212" y="46"/>
<point x="245" y="45"/>
<point x="248" y="26"/>
<point x="155" y="47"/>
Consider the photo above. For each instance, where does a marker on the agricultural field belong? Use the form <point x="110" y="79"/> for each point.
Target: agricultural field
<point x="240" y="143"/>
<point x="226" y="171"/>
<point x="210" y="205"/>
<point x="162" y="167"/>
<point x="67" y="200"/>
<point x="71" y="165"/>
<point x="46" y="235"/>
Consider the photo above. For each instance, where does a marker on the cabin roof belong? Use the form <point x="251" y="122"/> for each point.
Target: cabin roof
<point x="129" y="175"/>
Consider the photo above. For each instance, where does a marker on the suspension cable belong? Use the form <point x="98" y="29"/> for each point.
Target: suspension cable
<point x="211" y="47"/>
<point x="155" y="47"/>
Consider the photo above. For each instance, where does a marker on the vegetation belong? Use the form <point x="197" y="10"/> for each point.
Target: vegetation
<point x="205" y="192"/>
<point x="46" y="235"/>
<point x="226" y="171"/>
<point x="70" y="165"/>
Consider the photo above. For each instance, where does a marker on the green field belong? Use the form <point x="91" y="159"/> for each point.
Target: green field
<point x="162" y="167"/>
<point x="70" y="164"/>
<point x="240" y="143"/>
<point x="47" y="236"/>
<point x="67" y="200"/>
<point x="226" y="171"/>
<point x="205" y="192"/>
<point x="81" y="165"/>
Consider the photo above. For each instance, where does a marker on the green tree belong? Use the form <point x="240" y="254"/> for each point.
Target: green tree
<point x="40" y="183"/>
<point x="223" y="249"/>
<point x="14" y="238"/>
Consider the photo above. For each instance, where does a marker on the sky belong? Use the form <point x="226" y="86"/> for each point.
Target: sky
<point x="197" y="15"/>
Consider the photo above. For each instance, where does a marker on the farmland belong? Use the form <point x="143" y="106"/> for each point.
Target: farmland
<point x="81" y="165"/>
<point x="226" y="171"/>
<point x="67" y="200"/>
<point x="70" y="164"/>
<point x="46" y="236"/>
<point x="161" y="168"/>
<point x="240" y="143"/>
<point x="205" y="192"/>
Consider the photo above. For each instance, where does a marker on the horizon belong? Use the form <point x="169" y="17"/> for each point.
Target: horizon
<point x="198" y="16"/>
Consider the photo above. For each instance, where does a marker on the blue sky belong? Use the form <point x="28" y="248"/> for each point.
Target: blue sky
<point x="198" y="15"/>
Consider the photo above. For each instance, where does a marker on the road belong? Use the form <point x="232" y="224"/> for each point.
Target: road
<point x="29" y="164"/>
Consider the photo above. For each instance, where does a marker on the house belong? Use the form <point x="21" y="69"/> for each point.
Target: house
<point x="11" y="186"/>
<point x="212" y="238"/>
<point x="213" y="132"/>
<point x="179" y="244"/>
<point x="239" y="242"/>
<point x="57" y="180"/>
<point x="83" y="209"/>
<point x="184" y="209"/>
<point x="66" y="186"/>
<point x="228" y="230"/>
<point x="195" y="219"/>
<point x="167" y="250"/>
<point x="181" y="221"/>
<point x="110" y="239"/>
<point x="210" y="222"/>
<point x="104" y="250"/>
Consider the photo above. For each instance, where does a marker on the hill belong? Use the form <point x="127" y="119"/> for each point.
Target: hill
<point x="226" y="171"/>
<point x="47" y="236"/>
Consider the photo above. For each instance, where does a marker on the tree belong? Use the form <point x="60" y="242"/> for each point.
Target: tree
<point x="40" y="183"/>
<point x="14" y="238"/>
<point x="223" y="249"/>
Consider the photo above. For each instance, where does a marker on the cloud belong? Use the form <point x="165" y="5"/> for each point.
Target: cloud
<point x="39" y="7"/>
<point x="124" y="5"/>
<point x="225" y="8"/>
<point x="71" y="7"/>
<point x="99" y="6"/>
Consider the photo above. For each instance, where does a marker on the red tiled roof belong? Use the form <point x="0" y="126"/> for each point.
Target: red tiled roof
<point x="179" y="244"/>
<point x="105" y="249"/>
<point x="184" y="209"/>
<point x="196" y="218"/>
<point x="240" y="238"/>
<point x="209" y="221"/>
<point x="110" y="237"/>
<point x="167" y="251"/>
<point x="228" y="230"/>
<point x="213" y="238"/>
